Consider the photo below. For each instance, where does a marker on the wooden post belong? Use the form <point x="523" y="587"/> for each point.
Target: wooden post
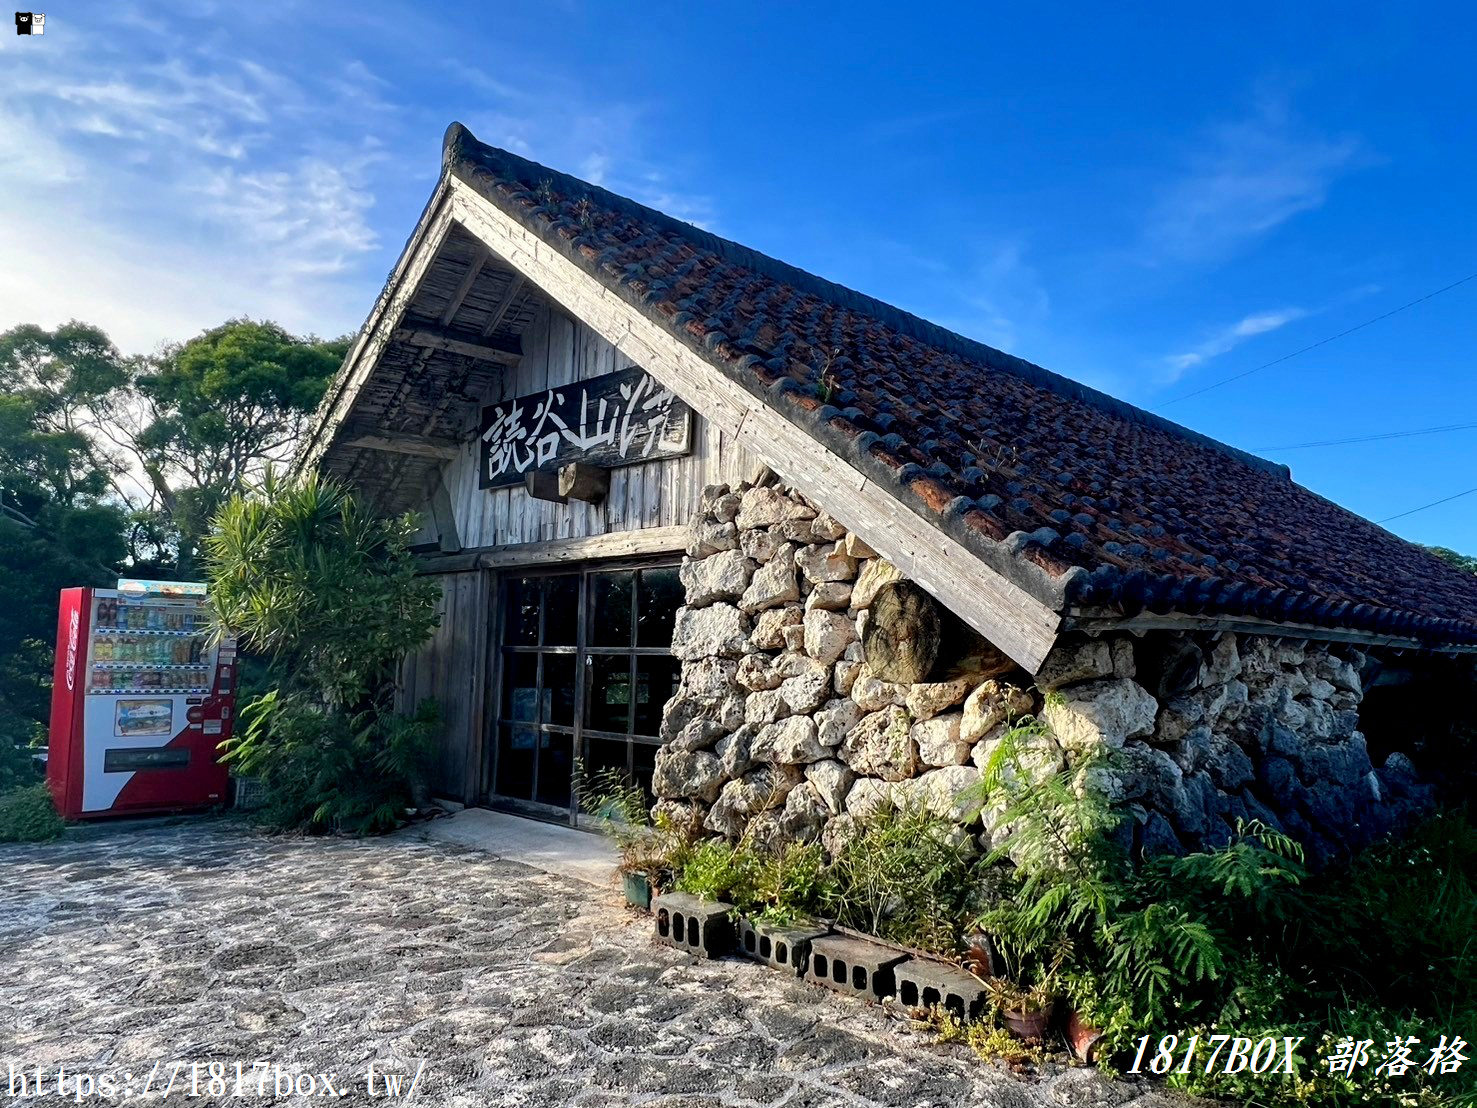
<point x="580" y="481"/>
<point x="909" y="638"/>
<point x="543" y="484"/>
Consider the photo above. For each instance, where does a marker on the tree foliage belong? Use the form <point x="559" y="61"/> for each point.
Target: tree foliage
<point x="328" y="593"/>
<point x="218" y="410"/>
<point x="56" y="526"/>
<point x="112" y="464"/>
<point x="1461" y="561"/>
<point x="327" y="590"/>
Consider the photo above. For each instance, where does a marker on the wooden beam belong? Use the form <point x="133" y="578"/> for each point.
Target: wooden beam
<point x="443" y="517"/>
<point x="495" y="320"/>
<point x="1097" y="623"/>
<point x="486" y="350"/>
<point x="648" y="541"/>
<point x="581" y="481"/>
<point x="468" y="280"/>
<point x="543" y="484"/>
<point x="419" y="445"/>
<point x="1006" y="614"/>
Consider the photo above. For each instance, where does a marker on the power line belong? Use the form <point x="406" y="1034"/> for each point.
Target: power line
<point x="1367" y="438"/>
<point x="1316" y="345"/>
<point x="1423" y="507"/>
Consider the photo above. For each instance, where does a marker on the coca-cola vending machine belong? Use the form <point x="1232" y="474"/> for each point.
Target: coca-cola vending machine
<point x="141" y="700"/>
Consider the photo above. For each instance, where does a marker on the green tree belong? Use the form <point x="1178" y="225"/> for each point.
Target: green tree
<point x="56" y="526"/>
<point x="110" y="462"/>
<point x="218" y="410"/>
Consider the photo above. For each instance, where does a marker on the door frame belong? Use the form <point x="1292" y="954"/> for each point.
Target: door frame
<point x="497" y="593"/>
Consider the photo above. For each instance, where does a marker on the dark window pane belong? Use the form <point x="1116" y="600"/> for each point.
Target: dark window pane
<point x="605" y="754"/>
<point x="610" y="692"/>
<point x="610" y="619"/>
<point x="561" y="609"/>
<point x="520" y="686"/>
<point x="656" y="680"/>
<point x="661" y="596"/>
<point x="644" y="762"/>
<point x="515" y="752"/>
<point x="555" y="765"/>
<point x="521" y="616"/>
<point x="559" y="689"/>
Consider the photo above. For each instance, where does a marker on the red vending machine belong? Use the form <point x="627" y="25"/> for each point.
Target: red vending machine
<point x="140" y="702"/>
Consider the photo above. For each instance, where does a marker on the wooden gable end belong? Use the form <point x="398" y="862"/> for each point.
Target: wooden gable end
<point x="1007" y="615"/>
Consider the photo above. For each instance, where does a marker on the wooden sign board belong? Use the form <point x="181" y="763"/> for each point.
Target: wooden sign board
<point x="617" y="419"/>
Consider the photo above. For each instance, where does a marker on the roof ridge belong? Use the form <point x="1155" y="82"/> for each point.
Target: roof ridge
<point x="459" y="144"/>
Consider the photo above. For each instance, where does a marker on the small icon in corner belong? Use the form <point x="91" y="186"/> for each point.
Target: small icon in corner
<point x="30" y="23"/>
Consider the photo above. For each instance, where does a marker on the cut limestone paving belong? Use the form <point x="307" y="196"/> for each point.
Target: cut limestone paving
<point x="205" y="942"/>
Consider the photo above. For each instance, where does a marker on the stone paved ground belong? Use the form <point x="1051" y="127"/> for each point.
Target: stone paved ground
<point x="206" y="942"/>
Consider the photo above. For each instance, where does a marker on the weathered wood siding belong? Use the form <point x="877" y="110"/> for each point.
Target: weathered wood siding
<point x="557" y="350"/>
<point x="452" y="669"/>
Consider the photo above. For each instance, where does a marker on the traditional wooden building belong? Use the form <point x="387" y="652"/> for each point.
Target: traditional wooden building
<point x="666" y="483"/>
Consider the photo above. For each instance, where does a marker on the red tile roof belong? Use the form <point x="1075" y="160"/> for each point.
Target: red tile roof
<point x="1125" y="511"/>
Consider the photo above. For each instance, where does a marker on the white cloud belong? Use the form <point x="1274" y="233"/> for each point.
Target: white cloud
<point x="178" y="170"/>
<point x="165" y="191"/>
<point x="1228" y="338"/>
<point x="1246" y="178"/>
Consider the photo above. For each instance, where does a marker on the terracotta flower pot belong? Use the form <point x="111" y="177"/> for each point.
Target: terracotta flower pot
<point x="1084" y="1037"/>
<point x="1024" y="1024"/>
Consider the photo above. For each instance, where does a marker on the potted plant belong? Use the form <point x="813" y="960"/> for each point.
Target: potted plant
<point x="1026" y="1011"/>
<point x="1085" y="1017"/>
<point x="651" y="850"/>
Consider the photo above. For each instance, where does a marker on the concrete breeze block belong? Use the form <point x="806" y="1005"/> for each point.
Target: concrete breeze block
<point x="853" y="966"/>
<point x="923" y="984"/>
<point x="701" y="927"/>
<point x="784" y="948"/>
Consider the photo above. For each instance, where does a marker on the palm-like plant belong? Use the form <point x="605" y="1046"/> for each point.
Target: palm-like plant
<point x="308" y="577"/>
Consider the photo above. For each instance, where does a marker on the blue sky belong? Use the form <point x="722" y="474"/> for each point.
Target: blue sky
<point x="1147" y="201"/>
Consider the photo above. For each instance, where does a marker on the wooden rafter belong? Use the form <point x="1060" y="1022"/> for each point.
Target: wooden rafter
<point x="469" y="279"/>
<point x="495" y="320"/>
<point x="488" y="349"/>
<point x="396" y="442"/>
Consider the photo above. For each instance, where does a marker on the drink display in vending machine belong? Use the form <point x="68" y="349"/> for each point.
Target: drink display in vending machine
<point x="141" y="700"/>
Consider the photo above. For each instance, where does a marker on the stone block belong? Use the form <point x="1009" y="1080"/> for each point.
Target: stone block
<point x="764" y="507"/>
<point x="769" y="627"/>
<point x="784" y="948"/>
<point x="701" y="927"/>
<point x="722" y="576"/>
<point x="773" y="584"/>
<point x="827" y="634"/>
<point x="923" y="984"/>
<point x="854" y="966"/>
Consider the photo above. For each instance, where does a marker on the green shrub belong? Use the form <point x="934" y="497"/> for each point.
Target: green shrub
<point x="906" y="876"/>
<point x="657" y="847"/>
<point x="27" y="815"/>
<point x="326" y="593"/>
<point x="720" y="870"/>
<point x="1239" y="940"/>
<point x="328" y="770"/>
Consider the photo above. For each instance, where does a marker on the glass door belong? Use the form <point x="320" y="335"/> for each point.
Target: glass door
<point x="585" y="670"/>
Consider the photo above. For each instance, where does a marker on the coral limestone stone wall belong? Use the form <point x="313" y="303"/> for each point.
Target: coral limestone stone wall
<point x="779" y="728"/>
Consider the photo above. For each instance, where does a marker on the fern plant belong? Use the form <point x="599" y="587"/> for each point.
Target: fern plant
<point x="1149" y="944"/>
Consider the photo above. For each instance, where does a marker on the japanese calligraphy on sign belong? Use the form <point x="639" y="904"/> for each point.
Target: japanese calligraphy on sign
<point x="614" y="420"/>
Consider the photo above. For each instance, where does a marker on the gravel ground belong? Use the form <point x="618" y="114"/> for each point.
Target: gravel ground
<point x="141" y="951"/>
